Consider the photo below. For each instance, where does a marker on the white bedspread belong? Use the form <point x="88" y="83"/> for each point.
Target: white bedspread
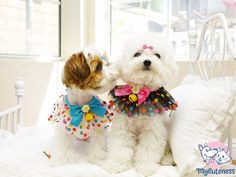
<point x="22" y="156"/>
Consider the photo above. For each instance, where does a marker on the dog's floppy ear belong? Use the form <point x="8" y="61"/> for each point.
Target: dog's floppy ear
<point x="76" y="70"/>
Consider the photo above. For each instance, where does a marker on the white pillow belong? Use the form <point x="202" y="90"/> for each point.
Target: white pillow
<point x="206" y="109"/>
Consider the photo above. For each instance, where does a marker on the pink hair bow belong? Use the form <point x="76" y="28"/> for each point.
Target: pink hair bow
<point x="148" y="47"/>
<point x="127" y="90"/>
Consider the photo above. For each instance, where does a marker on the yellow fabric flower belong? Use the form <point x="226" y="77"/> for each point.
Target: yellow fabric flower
<point x="135" y="89"/>
<point x="85" y="108"/>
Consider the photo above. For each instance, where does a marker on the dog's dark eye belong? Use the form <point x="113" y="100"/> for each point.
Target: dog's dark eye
<point x="137" y="54"/>
<point x="99" y="67"/>
<point x="158" y="55"/>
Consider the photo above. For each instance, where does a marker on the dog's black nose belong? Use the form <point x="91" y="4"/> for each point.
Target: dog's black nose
<point x="147" y="63"/>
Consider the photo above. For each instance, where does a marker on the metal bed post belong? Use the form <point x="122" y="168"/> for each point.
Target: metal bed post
<point x="192" y="36"/>
<point x="19" y="88"/>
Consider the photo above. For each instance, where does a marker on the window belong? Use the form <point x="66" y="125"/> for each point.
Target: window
<point x="30" y="28"/>
<point x="174" y="18"/>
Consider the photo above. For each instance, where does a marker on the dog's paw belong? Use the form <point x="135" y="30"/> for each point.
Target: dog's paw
<point x="146" y="169"/>
<point x="116" y="166"/>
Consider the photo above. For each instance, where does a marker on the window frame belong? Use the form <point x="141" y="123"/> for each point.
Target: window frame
<point x="40" y="57"/>
<point x="169" y="32"/>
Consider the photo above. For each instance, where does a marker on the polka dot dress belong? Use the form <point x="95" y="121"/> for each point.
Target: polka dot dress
<point x="157" y="102"/>
<point x="86" y="128"/>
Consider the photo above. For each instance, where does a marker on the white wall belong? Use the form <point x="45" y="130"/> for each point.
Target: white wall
<point x="39" y="79"/>
<point x="70" y="27"/>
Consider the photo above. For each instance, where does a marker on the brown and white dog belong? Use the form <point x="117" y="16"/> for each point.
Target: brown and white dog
<point x="80" y="114"/>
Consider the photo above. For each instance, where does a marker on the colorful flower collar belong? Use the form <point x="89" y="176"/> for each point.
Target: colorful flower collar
<point x="133" y="101"/>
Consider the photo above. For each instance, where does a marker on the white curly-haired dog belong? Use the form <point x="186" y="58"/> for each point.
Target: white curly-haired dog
<point x="138" y="133"/>
<point x="80" y="114"/>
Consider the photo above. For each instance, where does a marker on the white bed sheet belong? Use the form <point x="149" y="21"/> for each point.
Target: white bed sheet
<point x="21" y="156"/>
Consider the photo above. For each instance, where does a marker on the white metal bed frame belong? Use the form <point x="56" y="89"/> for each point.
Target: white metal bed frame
<point x="215" y="55"/>
<point x="12" y="117"/>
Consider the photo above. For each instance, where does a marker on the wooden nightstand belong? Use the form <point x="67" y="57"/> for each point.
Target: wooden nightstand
<point x="234" y="162"/>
